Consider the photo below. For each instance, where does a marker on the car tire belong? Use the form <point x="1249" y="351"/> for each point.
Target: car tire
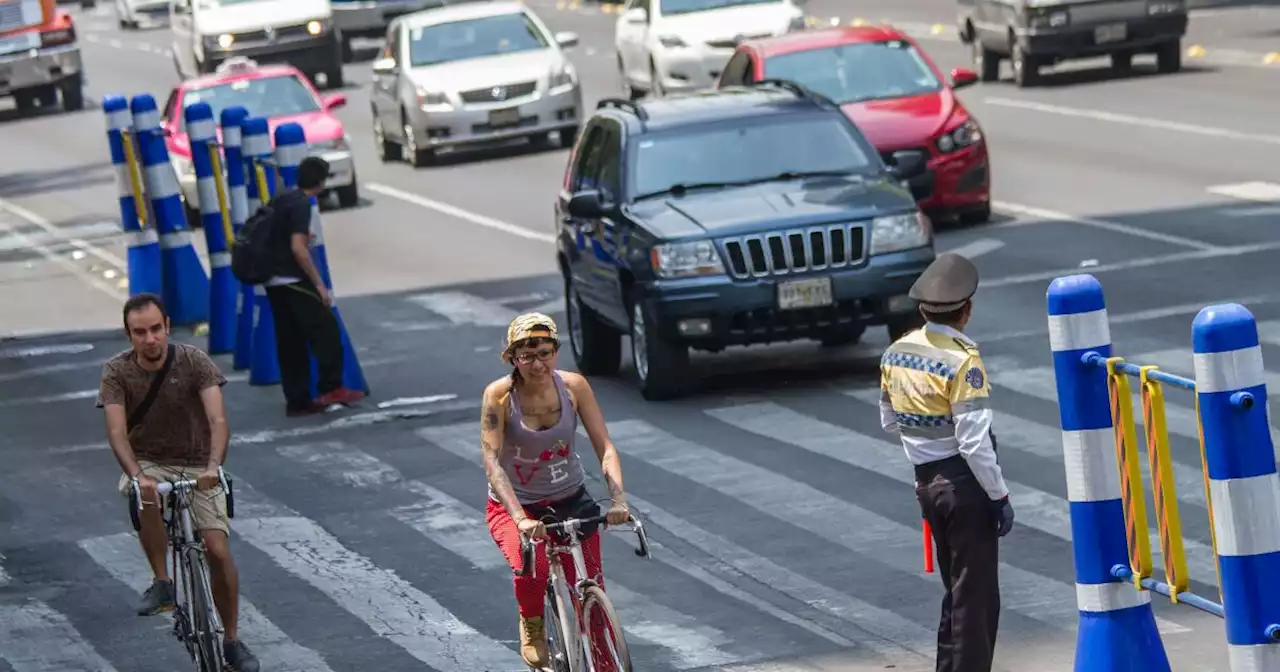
<point x="73" y="93"/>
<point x="334" y="77"/>
<point x="348" y="196"/>
<point x="1169" y="57"/>
<point x="597" y="347"/>
<point x="409" y="151"/>
<point x="1026" y="71"/>
<point x="1122" y="61"/>
<point x="985" y="61"/>
<point x="660" y="365"/>
<point x="901" y="325"/>
<point x="388" y="151"/>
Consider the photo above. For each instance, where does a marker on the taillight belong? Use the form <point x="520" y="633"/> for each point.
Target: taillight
<point x="53" y="38"/>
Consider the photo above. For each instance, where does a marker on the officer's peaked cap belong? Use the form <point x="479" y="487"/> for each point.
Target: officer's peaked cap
<point x="946" y="285"/>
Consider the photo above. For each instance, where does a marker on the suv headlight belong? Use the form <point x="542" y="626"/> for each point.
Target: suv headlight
<point x="683" y="260"/>
<point x="900" y="232"/>
<point x="1049" y="19"/>
<point x="960" y="137"/>
<point x="562" y="76"/>
<point x="1161" y="8"/>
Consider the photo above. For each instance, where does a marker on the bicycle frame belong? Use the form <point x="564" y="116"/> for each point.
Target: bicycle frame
<point x="569" y="529"/>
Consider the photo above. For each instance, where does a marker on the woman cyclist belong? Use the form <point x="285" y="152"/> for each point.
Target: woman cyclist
<point x="529" y="420"/>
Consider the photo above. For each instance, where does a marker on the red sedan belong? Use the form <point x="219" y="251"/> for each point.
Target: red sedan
<point x="897" y="96"/>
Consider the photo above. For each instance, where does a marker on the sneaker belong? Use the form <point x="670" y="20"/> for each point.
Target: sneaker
<point x="239" y="657"/>
<point x="341" y="395"/>
<point x="156" y="599"/>
<point x="533" y="642"/>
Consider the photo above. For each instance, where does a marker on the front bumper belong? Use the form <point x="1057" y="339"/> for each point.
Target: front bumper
<point x="47" y="67"/>
<point x="308" y="54"/>
<point x="690" y="68"/>
<point x="461" y="124"/>
<point x="1082" y="41"/>
<point x="370" y="18"/>
<point x="745" y="312"/>
<point x="342" y="172"/>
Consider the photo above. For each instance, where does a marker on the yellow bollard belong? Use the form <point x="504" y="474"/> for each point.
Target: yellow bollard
<point x="1163" y="489"/>
<point x="1135" y="507"/>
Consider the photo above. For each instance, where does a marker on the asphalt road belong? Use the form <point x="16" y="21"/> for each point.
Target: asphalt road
<point x="784" y="523"/>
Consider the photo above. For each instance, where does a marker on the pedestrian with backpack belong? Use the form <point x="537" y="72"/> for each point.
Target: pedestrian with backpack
<point x="274" y="249"/>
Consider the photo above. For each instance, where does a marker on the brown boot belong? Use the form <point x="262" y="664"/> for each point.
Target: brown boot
<point x="533" y="642"/>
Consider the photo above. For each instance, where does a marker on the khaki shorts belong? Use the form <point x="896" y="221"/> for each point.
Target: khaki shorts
<point x="208" y="507"/>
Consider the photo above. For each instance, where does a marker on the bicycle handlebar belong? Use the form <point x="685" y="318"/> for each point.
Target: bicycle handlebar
<point x="527" y="545"/>
<point x="165" y="487"/>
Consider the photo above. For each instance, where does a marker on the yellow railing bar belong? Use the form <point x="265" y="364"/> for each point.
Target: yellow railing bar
<point x="1135" y="508"/>
<point x="1156" y="431"/>
<point x="216" y="160"/>
<point x="1208" y="497"/>
<point x="135" y="183"/>
<point x="260" y="177"/>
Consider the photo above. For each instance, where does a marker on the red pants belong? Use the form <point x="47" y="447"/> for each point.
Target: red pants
<point x="531" y="590"/>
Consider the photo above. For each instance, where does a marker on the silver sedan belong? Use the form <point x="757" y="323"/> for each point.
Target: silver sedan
<point x="472" y="74"/>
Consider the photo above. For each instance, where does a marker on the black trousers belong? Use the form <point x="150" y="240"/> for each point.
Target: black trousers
<point x="968" y="549"/>
<point x="304" y="325"/>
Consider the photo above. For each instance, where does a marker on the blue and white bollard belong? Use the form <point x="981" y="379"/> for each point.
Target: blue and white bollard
<point x="1117" y="629"/>
<point x="143" y="258"/>
<point x="184" y="283"/>
<point x="233" y="157"/>
<point x="215" y="215"/>
<point x="1244" y="490"/>
<point x="264" y="366"/>
<point x="291" y="148"/>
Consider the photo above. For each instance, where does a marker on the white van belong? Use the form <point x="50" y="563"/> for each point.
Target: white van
<point x="298" y="32"/>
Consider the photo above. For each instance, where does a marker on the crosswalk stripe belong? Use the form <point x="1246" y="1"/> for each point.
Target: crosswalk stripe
<point x="38" y="638"/>
<point x="861" y="531"/>
<point x="1037" y="509"/>
<point x="460" y="528"/>
<point x="121" y="556"/>
<point x="884" y="626"/>
<point x="463" y="308"/>
<point x="1261" y="192"/>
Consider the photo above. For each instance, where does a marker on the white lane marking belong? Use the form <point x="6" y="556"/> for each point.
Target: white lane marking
<point x="1262" y="192"/>
<point x="416" y="401"/>
<point x="864" y="532"/>
<point x="52" y="230"/>
<point x="884" y="625"/>
<point x="121" y="556"/>
<point x="1130" y="264"/>
<point x="977" y="248"/>
<point x="1132" y="120"/>
<point x="89" y="278"/>
<point x="1115" y="227"/>
<point x="459" y="213"/>
<point x="460" y="529"/>
<point x="390" y="606"/>
<point x="36" y="638"/>
<point x="464" y="308"/>
<point x="5" y="579"/>
<point x="45" y="350"/>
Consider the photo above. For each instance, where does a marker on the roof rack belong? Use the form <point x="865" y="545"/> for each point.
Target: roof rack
<point x="796" y="88"/>
<point x="624" y="104"/>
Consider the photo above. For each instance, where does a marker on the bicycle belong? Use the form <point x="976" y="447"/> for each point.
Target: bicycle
<point x="574" y="653"/>
<point x="195" y="617"/>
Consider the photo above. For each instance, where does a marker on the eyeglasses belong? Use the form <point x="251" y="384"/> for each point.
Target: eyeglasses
<point x="541" y="356"/>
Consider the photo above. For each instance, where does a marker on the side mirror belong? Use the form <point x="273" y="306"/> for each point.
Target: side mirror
<point x="962" y="77"/>
<point x="334" y="102"/>
<point x="567" y="39"/>
<point x="636" y="15"/>
<point x="586" y="204"/>
<point x="384" y="66"/>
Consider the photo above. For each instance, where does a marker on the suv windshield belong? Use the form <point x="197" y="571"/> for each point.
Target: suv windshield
<point x="852" y="73"/>
<point x="669" y="7"/>
<point x="750" y="151"/>
<point x="475" y="38"/>
<point x="268" y="97"/>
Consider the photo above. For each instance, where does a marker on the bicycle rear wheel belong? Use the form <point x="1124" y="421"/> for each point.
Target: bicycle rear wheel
<point x="598" y="616"/>
<point x="204" y="616"/>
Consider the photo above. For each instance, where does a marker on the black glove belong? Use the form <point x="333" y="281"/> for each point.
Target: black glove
<point x="1003" y="511"/>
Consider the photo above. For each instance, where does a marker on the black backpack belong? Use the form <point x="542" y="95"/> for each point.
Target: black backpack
<point x="252" y="259"/>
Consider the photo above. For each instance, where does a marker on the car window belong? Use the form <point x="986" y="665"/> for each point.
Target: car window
<point x="170" y="106"/>
<point x="750" y="150"/>
<point x="587" y="163"/>
<point x="735" y="71"/>
<point x="474" y="38"/>
<point x="268" y="97"/>
<point x="852" y="73"/>
<point x="609" y="164"/>
<point x="670" y="7"/>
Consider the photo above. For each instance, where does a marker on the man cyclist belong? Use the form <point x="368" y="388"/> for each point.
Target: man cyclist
<point x="182" y="433"/>
<point x="529" y="420"/>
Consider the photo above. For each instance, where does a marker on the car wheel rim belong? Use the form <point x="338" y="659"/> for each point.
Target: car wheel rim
<point x="379" y="139"/>
<point x="575" y="320"/>
<point x="639" y="349"/>
<point x="410" y="143"/>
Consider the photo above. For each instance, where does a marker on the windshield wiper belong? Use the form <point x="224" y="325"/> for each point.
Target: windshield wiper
<point x="681" y="189"/>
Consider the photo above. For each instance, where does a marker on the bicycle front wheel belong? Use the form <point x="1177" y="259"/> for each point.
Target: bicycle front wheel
<point x="204" y="617"/>
<point x="608" y="643"/>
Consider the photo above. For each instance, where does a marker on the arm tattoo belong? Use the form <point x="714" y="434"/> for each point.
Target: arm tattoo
<point x="490" y="418"/>
<point x="498" y="480"/>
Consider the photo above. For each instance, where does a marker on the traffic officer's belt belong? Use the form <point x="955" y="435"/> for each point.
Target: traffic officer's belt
<point x="951" y="468"/>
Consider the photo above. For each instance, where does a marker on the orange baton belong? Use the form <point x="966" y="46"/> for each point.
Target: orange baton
<point x="928" y="548"/>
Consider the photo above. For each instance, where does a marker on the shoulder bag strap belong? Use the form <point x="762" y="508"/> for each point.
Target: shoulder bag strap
<point x="141" y="411"/>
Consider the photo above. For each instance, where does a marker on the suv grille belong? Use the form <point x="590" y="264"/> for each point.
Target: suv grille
<point x="497" y="94"/>
<point x="796" y="251"/>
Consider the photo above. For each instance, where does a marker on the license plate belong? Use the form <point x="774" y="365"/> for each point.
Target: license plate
<point x="810" y="293"/>
<point x="507" y="117"/>
<point x="1110" y="33"/>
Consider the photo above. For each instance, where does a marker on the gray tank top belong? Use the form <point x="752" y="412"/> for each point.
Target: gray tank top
<point x="542" y="465"/>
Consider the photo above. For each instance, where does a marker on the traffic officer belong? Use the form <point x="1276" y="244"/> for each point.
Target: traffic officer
<point x="935" y="396"/>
